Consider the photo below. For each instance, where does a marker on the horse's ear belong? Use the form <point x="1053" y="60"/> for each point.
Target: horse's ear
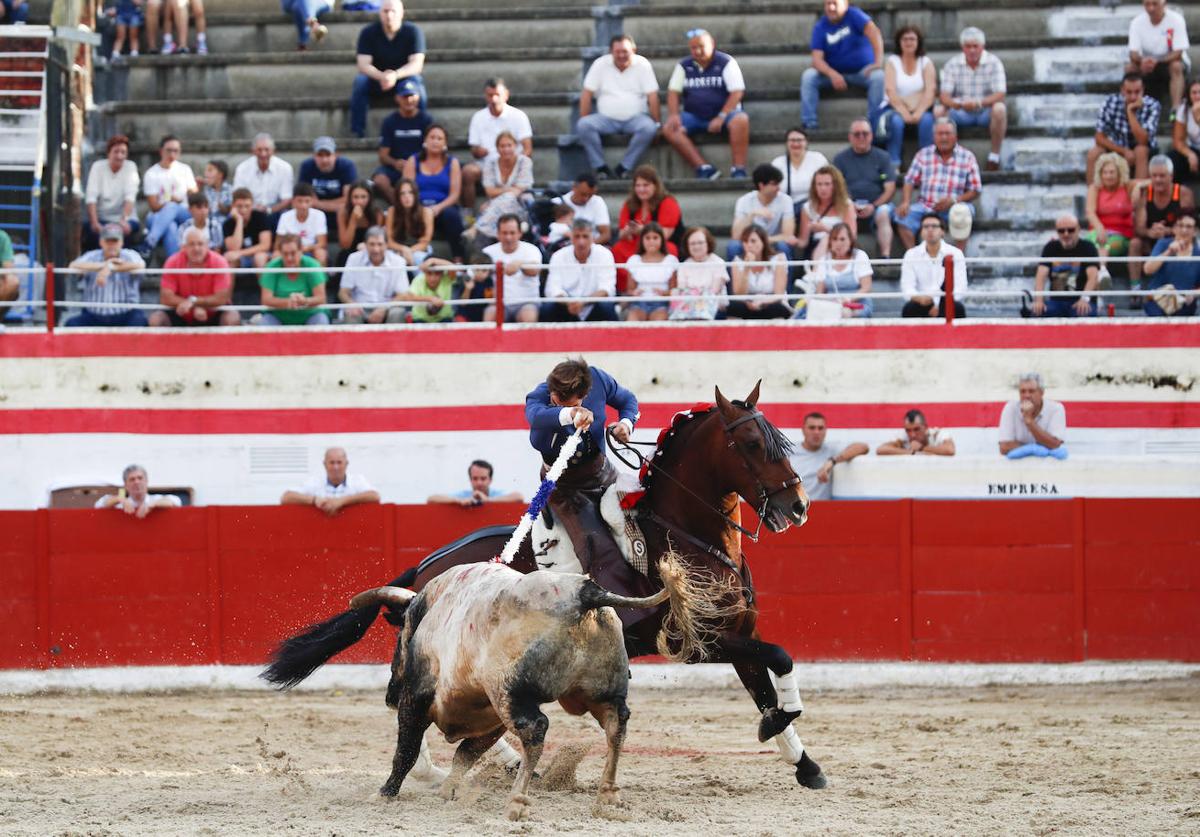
<point x="723" y="403"/>
<point x="752" y="398"/>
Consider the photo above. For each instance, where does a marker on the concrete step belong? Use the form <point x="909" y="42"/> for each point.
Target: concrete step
<point x="1028" y="204"/>
<point x="1057" y="109"/>
<point x="1103" y="20"/>
<point x="1043" y="155"/>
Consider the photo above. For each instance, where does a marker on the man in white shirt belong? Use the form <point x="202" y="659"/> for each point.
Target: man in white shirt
<point x="166" y="186"/>
<point x="306" y="223"/>
<point x="589" y="206"/>
<point x="625" y="94"/>
<point x="111" y="193"/>
<point x="268" y="177"/>
<point x="1033" y="425"/>
<point x="767" y="207"/>
<point x="922" y="272"/>
<point x="521" y="262"/>
<point x="335" y="490"/>
<point x="374" y="275"/>
<point x="583" y="270"/>
<point x="1158" y="47"/>
<point x="487" y="124"/>
<point x="133" y="497"/>
<point x="816" y="458"/>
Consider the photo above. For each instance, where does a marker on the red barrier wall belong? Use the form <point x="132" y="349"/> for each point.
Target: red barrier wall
<point x="911" y="579"/>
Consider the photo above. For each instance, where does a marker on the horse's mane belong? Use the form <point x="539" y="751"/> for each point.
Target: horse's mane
<point x="779" y="446"/>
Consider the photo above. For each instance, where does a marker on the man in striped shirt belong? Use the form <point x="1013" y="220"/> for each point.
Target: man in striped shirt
<point x="111" y="278"/>
<point x="973" y="89"/>
<point x="945" y="175"/>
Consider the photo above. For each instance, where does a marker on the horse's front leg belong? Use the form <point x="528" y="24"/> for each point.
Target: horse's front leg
<point x="779" y="702"/>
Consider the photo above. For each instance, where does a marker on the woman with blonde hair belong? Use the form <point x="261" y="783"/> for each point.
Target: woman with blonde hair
<point x="1110" y="212"/>
<point x="828" y="204"/>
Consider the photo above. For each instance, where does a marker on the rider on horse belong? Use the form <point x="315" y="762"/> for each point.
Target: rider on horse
<point x="575" y="395"/>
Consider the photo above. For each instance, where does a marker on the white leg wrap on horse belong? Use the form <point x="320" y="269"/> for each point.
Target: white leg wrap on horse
<point x="425" y="768"/>
<point x="790" y="748"/>
<point x="506" y="754"/>
<point x="789" y="693"/>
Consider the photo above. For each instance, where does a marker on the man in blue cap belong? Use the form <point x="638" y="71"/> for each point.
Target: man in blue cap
<point x="400" y="137"/>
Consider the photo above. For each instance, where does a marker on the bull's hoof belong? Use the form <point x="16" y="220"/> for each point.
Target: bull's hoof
<point x="518" y="808"/>
<point x="609" y="795"/>
<point x="808" y="773"/>
<point x="775" y="721"/>
<point x="389" y="789"/>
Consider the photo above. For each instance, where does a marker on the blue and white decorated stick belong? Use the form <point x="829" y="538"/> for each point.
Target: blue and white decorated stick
<point x="542" y="496"/>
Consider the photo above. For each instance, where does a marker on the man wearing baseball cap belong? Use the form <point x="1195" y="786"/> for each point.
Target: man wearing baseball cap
<point x="110" y="283"/>
<point x="330" y="175"/>
<point x="400" y="137"/>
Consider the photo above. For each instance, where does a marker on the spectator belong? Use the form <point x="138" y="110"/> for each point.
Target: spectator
<point x="110" y="277"/>
<point x="910" y="86"/>
<point x="439" y="182"/>
<point x="435" y="284"/>
<point x="816" y="458"/>
<point x="651" y="273"/>
<point x="374" y="276"/>
<point x="1159" y="204"/>
<point x="559" y="231"/>
<point x="1110" y="213"/>
<point x="710" y="87"/>
<point x="129" y="19"/>
<point x="134" y="497"/>
<point x="648" y="202"/>
<point x="947" y="176"/>
<point x="588" y="206"/>
<point x="768" y="208"/>
<point x="293" y="287"/>
<point x="388" y="51"/>
<point x="847" y="48"/>
<point x="798" y="165"/>
<point x="1185" y="136"/>
<point x="1158" y="47"/>
<point x="507" y="179"/>
<point x="400" y="138"/>
<point x="337" y="489"/>
<point x="845" y="271"/>
<point x="702" y="274"/>
<point x="306" y="224"/>
<point x="522" y="268"/>
<point x="767" y="281"/>
<point x="828" y="204"/>
<point x="922" y="273"/>
<point x="193" y="298"/>
<point x="1032" y="425"/>
<point x="247" y="232"/>
<point x="583" y="270"/>
<point x="355" y="216"/>
<point x="973" y="91"/>
<point x="330" y="176"/>
<point x="166" y="186"/>
<point x="1066" y="275"/>
<point x="918" y="437"/>
<point x="218" y="189"/>
<point x="625" y="91"/>
<point x="10" y="285"/>
<point x="111" y="194"/>
<point x="269" y="178"/>
<point x="13" y="12"/>
<point x="201" y="218"/>
<point x="1175" y="283"/>
<point x="1127" y="125"/>
<point x="175" y="13"/>
<point x="487" y="124"/>
<point x="871" y="181"/>
<point x="477" y="283"/>
<point x="409" y="224"/>
<point x="481" y="491"/>
<point x="306" y="14"/>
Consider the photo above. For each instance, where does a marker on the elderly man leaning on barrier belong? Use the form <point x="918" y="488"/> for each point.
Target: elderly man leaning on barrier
<point x="1064" y="272"/>
<point x="133" y="497"/>
<point x="923" y="274"/>
<point x="193" y="296"/>
<point x="1033" y="425"/>
<point x="816" y="457"/>
<point x="110" y="277"/>
<point x="335" y="490"/>
<point x="1174" y="284"/>
<point x="918" y="439"/>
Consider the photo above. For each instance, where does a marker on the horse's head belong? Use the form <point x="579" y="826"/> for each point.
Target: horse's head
<point x="756" y="459"/>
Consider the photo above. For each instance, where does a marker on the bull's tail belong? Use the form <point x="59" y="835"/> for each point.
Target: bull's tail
<point x="299" y="656"/>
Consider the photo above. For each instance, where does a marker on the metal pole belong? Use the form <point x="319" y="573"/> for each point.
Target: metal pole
<point x="948" y="288"/>
<point x="50" y="297"/>
<point x="499" y="295"/>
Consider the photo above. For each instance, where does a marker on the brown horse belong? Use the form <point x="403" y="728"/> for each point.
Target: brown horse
<point x="690" y="507"/>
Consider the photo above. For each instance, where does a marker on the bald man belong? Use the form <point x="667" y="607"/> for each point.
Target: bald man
<point x="1062" y="270"/>
<point x="335" y="490"/>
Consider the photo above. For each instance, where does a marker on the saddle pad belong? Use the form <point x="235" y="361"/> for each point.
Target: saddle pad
<point x="625" y="528"/>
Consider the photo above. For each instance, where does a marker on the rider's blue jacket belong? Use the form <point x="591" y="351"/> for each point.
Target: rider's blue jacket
<point x="547" y="432"/>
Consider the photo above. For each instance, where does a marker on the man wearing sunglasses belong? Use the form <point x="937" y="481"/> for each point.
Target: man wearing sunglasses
<point x="1064" y="271"/>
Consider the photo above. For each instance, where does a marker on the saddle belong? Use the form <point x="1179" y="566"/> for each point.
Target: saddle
<point x="553" y="550"/>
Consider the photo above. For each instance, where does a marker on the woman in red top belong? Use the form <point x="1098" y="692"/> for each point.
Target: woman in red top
<point x="648" y="201"/>
<point x="1110" y="211"/>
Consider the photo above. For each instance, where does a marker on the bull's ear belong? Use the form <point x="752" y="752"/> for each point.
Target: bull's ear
<point x="752" y="398"/>
<point x="723" y="403"/>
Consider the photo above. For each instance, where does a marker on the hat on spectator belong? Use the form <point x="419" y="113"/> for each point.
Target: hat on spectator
<point x="960" y="221"/>
<point x="112" y="232"/>
<point x="407" y="87"/>
<point x="1167" y="299"/>
<point x="324" y="144"/>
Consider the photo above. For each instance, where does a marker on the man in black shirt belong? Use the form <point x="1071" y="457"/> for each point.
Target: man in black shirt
<point x="871" y="180"/>
<point x="400" y="137"/>
<point x="387" y="52"/>
<point x="1066" y="275"/>
<point x="248" y="235"/>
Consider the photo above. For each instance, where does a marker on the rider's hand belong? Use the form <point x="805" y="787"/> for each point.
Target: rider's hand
<point x="581" y="417"/>
<point x="620" y="432"/>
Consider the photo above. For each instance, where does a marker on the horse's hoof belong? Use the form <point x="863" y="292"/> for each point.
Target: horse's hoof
<point x="808" y="773"/>
<point x="518" y="808"/>
<point x="775" y="721"/>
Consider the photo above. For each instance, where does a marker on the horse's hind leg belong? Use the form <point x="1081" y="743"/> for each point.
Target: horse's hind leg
<point x="468" y="752"/>
<point x="613" y="717"/>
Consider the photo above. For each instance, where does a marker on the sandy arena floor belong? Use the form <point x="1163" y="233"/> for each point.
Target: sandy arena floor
<point x="1106" y="759"/>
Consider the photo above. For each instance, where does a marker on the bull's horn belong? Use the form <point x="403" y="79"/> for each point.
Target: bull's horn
<point x="398" y="596"/>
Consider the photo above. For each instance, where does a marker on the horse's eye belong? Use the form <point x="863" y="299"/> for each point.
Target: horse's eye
<point x="753" y="445"/>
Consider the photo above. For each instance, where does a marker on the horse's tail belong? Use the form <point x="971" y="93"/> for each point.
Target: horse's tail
<point x="698" y="602"/>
